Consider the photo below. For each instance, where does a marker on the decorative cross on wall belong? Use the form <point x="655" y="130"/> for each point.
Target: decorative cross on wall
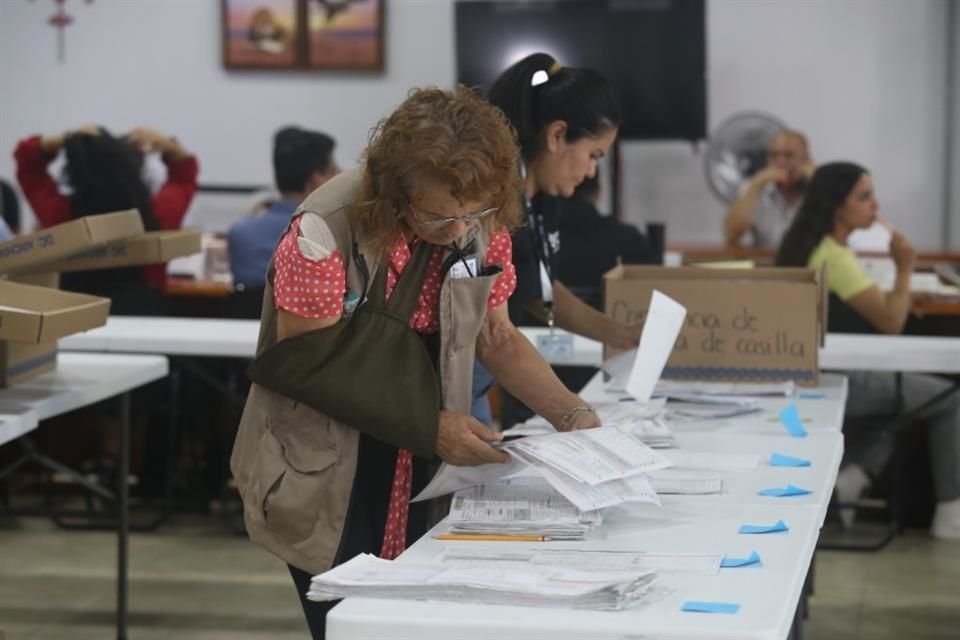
<point x="60" y="21"/>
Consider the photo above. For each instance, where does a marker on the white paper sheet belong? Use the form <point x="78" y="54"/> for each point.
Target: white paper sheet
<point x="660" y="330"/>
<point x="450" y="478"/>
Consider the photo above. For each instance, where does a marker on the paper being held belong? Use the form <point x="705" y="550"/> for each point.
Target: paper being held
<point x="660" y="331"/>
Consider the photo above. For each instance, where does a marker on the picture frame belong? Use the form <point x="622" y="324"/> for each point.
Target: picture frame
<point x="261" y="34"/>
<point x="310" y="35"/>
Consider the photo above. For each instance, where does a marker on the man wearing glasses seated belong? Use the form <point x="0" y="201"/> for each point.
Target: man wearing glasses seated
<point x="770" y="199"/>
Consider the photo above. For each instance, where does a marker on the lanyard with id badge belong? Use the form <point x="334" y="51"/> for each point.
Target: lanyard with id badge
<point x="553" y="347"/>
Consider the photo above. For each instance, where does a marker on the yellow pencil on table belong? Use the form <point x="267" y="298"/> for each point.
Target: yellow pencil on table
<point x="491" y="537"/>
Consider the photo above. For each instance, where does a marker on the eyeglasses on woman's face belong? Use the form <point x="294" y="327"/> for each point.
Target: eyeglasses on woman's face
<point x="431" y="220"/>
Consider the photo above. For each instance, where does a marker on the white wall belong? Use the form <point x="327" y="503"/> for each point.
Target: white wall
<point x="863" y="77"/>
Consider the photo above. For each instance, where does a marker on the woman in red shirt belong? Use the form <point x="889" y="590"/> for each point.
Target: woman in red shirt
<point x="104" y="174"/>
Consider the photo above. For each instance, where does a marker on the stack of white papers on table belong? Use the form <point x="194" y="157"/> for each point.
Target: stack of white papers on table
<point x="525" y="505"/>
<point x="529" y="584"/>
<point x="710" y="408"/>
<point x="593" y="468"/>
<point x="702" y="564"/>
<point x="711" y="461"/>
<point x="644" y="421"/>
<point x="723" y="390"/>
<point x="685" y="482"/>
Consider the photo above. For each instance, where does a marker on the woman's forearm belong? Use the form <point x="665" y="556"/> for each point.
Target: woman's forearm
<point x="521" y="370"/>
<point x="898" y="302"/>
<point x="576" y="316"/>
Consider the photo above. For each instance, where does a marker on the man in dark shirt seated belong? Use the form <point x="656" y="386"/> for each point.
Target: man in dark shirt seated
<point x="593" y="244"/>
<point x="302" y="161"/>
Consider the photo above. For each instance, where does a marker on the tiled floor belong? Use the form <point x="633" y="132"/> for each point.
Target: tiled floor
<point x="194" y="580"/>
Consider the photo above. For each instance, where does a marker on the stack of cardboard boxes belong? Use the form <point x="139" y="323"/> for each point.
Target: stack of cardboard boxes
<point x="34" y="313"/>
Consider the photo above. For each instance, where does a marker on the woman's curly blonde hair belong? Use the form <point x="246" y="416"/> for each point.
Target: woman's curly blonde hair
<point x="452" y="137"/>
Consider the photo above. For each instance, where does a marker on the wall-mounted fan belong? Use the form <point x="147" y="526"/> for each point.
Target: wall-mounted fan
<point x="737" y="150"/>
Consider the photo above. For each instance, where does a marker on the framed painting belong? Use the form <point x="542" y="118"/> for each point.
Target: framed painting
<point x="261" y="34"/>
<point x="345" y="34"/>
<point x="303" y="34"/>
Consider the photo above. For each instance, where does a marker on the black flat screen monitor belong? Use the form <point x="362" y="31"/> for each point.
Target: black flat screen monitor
<point x="653" y="52"/>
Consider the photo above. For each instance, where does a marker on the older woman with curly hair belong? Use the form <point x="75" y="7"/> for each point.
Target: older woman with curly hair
<point x="390" y="279"/>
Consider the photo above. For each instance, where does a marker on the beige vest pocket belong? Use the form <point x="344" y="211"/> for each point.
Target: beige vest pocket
<point x="468" y="305"/>
<point x="290" y="498"/>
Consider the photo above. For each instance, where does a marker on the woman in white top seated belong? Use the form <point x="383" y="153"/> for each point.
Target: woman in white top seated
<point x="839" y="199"/>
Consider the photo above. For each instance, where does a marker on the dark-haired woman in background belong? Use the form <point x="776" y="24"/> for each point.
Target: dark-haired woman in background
<point x="104" y="174"/>
<point x="566" y="120"/>
<point x="840" y="198"/>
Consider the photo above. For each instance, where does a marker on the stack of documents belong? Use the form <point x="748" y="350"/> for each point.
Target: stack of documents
<point x="645" y="421"/>
<point x="702" y="564"/>
<point x="521" y="506"/>
<point x="533" y="585"/>
<point x="712" y="461"/>
<point x="687" y="483"/>
<point x="719" y="390"/>
<point x="593" y="468"/>
<point x="710" y="407"/>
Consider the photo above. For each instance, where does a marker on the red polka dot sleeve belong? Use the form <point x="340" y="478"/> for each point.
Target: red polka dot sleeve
<point x="500" y="252"/>
<point x="304" y="286"/>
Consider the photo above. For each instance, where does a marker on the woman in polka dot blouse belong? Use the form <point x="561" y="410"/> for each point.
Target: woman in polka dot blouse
<point x="439" y="189"/>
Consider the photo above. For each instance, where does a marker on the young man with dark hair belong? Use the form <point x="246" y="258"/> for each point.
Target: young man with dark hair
<point x="302" y="161"/>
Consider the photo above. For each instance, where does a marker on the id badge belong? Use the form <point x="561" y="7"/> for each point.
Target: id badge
<point x="459" y="270"/>
<point x="555" y="347"/>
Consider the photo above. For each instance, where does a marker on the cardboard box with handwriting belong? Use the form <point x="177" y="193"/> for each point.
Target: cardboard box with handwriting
<point x="748" y="325"/>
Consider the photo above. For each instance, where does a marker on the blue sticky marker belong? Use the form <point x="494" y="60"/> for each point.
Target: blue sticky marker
<point x="695" y="606"/>
<point x="811" y="395"/>
<point x="784" y="492"/>
<point x="781" y="460"/>
<point x="731" y="563"/>
<point x="777" y="527"/>
<point x="791" y="420"/>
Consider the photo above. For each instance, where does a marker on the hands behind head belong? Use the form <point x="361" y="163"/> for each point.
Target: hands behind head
<point x="153" y="141"/>
<point x="463" y="441"/>
<point x="52" y="143"/>
<point x="88" y="129"/>
<point x="149" y="140"/>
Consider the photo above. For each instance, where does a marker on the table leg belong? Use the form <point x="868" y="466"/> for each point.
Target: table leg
<point x="123" y="523"/>
<point x="796" y="629"/>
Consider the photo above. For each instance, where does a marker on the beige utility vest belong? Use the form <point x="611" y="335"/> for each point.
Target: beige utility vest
<point x="294" y="466"/>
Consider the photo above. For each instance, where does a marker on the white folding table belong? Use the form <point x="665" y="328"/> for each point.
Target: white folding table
<point x="769" y="594"/>
<point x="82" y="379"/>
